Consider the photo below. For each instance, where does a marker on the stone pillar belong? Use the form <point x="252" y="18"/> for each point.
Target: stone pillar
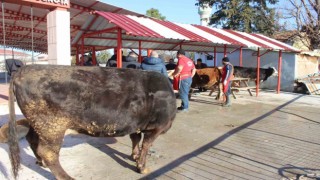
<point x="58" y="27"/>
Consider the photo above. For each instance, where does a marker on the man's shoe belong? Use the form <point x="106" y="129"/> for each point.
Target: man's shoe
<point x="180" y="108"/>
<point x="226" y="105"/>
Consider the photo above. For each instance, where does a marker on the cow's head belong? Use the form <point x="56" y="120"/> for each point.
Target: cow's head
<point x="274" y="71"/>
<point x="271" y="71"/>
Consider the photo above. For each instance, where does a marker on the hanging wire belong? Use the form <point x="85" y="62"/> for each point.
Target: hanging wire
<point x="4" y="39"/>
<point x="12" y="53"/>
<point x="32" y="56"/>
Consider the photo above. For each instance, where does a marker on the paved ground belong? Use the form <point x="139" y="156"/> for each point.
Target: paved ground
<point x="267" y="137"/>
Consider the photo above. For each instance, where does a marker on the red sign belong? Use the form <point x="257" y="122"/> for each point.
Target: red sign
<point x="46" y="4"/>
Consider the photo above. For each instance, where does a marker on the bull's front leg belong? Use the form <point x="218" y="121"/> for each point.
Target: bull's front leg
<point x="135" y="138"/>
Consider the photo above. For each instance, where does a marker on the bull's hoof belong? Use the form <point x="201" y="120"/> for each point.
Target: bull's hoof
<point x="144" y="170"/>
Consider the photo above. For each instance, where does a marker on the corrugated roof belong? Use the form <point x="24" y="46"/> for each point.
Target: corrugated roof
<point x="165" y="35"/>
<point x="17" y="20"/>
<point x="180" y="30"/>
<point x="131" y="26"/>
<point x="154" y="34"/>
<point x="218" y="34"/>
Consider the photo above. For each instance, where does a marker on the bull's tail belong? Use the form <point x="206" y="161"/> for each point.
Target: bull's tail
<point x="14" y="149"/>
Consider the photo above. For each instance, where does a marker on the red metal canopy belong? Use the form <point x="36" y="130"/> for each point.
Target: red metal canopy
<point x="137" y="29"/>
<point x="17" y="18"/>
<point x="148" y="33"/>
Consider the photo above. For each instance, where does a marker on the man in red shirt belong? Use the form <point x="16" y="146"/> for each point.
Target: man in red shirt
<point x="185" y="70"/>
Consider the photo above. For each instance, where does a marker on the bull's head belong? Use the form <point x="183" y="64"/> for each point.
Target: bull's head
<point x="274" y="72"/>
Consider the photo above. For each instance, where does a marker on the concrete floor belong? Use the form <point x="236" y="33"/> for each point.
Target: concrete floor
<point x="273" y="136"/>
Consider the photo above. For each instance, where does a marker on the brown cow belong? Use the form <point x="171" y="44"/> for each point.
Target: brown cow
<point x="208" y="78"/>
<point x="96" y="101"/>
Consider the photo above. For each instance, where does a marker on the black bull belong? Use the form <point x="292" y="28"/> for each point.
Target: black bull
<point x="96" y="101"/>
<point x="250" y="72"/>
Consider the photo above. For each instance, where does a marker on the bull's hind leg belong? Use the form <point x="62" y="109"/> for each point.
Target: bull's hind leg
<point x="49" y="147"/>
<point x="135" y="138"/>
<point x="148" y="139"/>
<point x="50" y="155"/>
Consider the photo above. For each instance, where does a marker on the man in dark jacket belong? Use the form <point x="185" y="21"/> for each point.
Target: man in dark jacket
<point x="131" y="61"/>
<point x="154" y="63"/>
<point x="171" y="65"/>
<point x="200" y="64"/>
<point x="112" y="62"/>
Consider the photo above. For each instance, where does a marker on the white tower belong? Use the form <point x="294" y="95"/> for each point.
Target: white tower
<point x="204" y="11"/>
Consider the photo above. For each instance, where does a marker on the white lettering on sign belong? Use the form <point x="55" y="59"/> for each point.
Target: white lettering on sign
<point x="61" y="2"/>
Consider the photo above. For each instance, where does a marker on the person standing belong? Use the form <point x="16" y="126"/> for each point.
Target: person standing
<point x="112" y="62"/>
<point x="200" y="65"/>
<point x="171" y="65"/>
<point x="87" y="61"/>
<point x="154" y="63"/>
<point x="131" y="61"/>
<point x="185" y="70"/>
<point x="227" y="75"/>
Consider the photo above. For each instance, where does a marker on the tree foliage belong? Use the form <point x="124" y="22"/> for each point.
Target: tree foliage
<point x="103" y="56"/>
<point x="155" y="14"/>
<point x="306" y="16"/>
<point x="243" y="15"/>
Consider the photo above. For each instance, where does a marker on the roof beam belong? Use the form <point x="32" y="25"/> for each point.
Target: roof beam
<point x="23" y="44"/>
<point x="16" y="18"/>
<point x="15" y="21"/>
<point x="20" y="36"/>
<point x="82" y="8"/>
<point x="27" y="35"/>
<point x="19" y="14"/>
<point x="187" y="43"/>
<point x="27" y="17"/>
<point x="20" y="28"/>
<point x="100" y="32"/>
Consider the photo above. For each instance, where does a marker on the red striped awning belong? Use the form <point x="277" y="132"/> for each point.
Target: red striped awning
<point x="159" y="30"/>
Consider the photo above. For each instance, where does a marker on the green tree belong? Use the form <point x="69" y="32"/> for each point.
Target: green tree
<point x="306" y="21"/>
<point x="103" y="56"/>
<point x="243" y="15"/>
<point x="155" y="14"/>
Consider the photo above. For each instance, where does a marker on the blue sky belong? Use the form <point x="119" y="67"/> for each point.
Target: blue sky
<point x="182" y="11"/>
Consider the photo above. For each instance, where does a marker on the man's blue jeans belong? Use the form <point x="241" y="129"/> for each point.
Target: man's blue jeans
<point x="229" y="89"/>
<point x="184" y="92"/>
